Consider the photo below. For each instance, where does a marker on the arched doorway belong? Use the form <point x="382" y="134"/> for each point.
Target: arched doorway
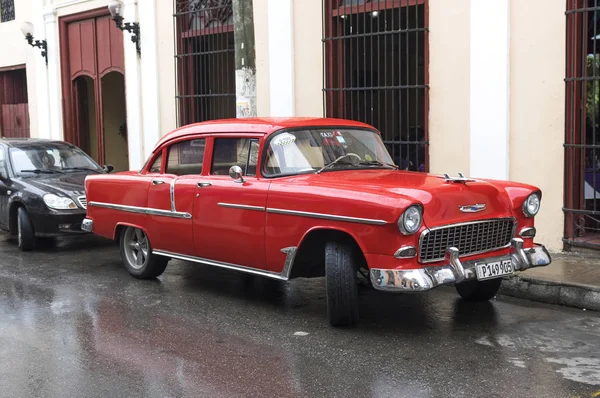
<point x="92" y="69"/>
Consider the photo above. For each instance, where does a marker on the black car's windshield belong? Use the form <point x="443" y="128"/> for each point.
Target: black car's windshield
<point x="319" y="150"/>
<point x="50" y="157"/>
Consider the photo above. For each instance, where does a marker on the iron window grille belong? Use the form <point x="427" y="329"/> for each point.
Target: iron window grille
<point x="582" y="124"/>
<point x="7" y="10"/>
<point x="204" y="60"/>
<point x="376" y="71"/>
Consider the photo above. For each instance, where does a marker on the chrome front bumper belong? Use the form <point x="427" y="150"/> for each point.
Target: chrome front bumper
<point x="87" y="225"/>
<point x="455" y="271"/>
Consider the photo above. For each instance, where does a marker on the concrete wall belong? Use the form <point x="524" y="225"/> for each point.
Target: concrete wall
<point x="14" y="51"/>
<point x="537" y="107"/>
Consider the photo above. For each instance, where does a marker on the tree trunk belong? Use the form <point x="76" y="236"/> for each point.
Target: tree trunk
<point x="245" y="59"/>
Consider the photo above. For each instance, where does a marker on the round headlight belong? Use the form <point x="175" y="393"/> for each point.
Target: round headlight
<point x="531" y="206"/>
<point x="59" y="202"/>
<point x="410" y="221"/>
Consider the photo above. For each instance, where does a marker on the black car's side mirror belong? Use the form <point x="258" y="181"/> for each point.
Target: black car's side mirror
<point x="108" y="168"/>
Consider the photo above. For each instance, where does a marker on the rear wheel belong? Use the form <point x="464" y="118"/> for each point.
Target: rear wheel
<point x="25" y="232"/>
<point x="136" y="253"/>
<point x="342" y="284"/>
<point x="475" y="290"/>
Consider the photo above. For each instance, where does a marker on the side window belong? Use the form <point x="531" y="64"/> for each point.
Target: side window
<point x="229" y="152"/>
<point x="186" y="157"/>
<point x="155" y="168"/>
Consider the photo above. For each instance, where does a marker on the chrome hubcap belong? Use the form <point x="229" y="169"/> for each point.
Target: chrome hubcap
<point x="136" y="247"/>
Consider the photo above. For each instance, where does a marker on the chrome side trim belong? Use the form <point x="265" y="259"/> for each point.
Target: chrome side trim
<point x="327" y="216"/>
<point x="289" y="260"/>
<point x="141" y="210"/>
<point x="243" y="207"/>
<point x="455" y="271"/>
<point x="220" y="264"/>
<point x="172" y="194"/>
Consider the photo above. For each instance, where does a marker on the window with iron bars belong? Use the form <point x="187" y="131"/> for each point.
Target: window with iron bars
<point x="205" y="60"/>
<point x="582" y="135"/>
<point x="376" y="71"/>
<point x="7" y="10"/>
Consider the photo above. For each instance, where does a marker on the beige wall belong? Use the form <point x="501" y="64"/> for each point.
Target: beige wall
<point x="166" y="65"/>
<point x="449" y="86"/>
<point x="308" y="58"/>
<point x="537" y="60"/>
<point x="261" y="41"/>
<point x="14" y="50"/>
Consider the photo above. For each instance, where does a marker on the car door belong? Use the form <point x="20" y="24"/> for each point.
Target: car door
<point x="229" y="215"/>
<point x="171" y="196"/>
<point x="4" y="189"/>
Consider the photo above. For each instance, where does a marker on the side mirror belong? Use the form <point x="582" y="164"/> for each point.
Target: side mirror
<point x="235" y="172"/>
<point x="108" y="168"/>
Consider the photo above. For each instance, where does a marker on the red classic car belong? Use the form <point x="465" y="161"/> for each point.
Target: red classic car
<point x="301" y="197"/>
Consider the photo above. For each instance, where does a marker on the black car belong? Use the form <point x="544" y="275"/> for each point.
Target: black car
<point x="42" y="192"/>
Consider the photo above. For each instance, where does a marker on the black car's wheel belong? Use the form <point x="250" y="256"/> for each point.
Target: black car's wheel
<point x="479" y="290"/>
<point x="342" y="285"/>
<point x="136" y="253"/>
<point x="25" y="232"/>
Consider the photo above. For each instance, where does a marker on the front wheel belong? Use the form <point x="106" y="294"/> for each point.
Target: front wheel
<point x="136" y="253"/>
<point x="342" y="285"/>
<point x="475" y="290"/>
<point x="25" y="233"/>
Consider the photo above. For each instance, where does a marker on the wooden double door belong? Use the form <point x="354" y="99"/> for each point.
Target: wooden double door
<point x="92" y="68"/>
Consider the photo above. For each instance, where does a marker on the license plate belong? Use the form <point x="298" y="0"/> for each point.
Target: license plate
<point x="494" y="269"/>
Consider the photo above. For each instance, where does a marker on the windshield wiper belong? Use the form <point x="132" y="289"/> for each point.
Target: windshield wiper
<point x="376" y="163"/>
<point x="81" y="169"/>
<point x="333" y="163"/>
<point x="44" y="171"/>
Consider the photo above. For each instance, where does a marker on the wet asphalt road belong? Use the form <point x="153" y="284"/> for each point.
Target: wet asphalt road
<point x="73" y="323"/>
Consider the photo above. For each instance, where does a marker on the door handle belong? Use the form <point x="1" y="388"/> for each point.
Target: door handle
<point x="204" y="184"/>
<point x="157" y="182"/>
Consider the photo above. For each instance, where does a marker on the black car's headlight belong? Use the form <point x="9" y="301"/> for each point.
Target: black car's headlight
<point x="531" y="206"/>
<point x="59" y="202"/>
<point x="410" y="221"/>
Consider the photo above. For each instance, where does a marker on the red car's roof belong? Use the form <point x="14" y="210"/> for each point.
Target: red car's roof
<point x="266" y="125"/>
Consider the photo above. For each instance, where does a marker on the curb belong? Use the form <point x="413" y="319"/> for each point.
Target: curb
<point x="571" y="295"/>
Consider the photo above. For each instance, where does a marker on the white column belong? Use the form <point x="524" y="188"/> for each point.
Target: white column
<point x="281" y="57"/>
<point x="41" y="73"/>
<point x="54" y="93"/>
<point x="149" y="69"/>
<point x="489" y="89"/>
<point x="132" y="97"/>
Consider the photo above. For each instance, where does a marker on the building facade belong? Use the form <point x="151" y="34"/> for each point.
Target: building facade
<point x="487" y="88"/>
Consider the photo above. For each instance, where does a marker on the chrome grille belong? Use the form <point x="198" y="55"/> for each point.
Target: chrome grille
<point x="82" y="201"/>
<point x="469" y="238"/>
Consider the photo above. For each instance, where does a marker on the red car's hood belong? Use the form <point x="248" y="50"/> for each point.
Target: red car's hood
<point x="442" y="200"/>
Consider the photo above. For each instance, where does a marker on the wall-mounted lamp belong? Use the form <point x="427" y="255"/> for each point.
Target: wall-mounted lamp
<point x="27" y="29"/>
<point x="116" y="11"/>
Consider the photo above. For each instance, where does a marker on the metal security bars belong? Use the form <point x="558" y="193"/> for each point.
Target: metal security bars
<point x="582" y="127"/>
<point x="376" y="71"/>
<point x="205" y="60"/>
<point x="7" y="10"/>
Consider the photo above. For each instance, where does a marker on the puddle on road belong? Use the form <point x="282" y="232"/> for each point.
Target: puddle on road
<point x="570" y="347"/>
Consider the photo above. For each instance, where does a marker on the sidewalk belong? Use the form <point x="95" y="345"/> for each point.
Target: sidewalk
<point x="572" y="279"/>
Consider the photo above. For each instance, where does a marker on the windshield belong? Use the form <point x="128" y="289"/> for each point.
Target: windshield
<point x="311" y="150"/>
<point x="51" y="157"/>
